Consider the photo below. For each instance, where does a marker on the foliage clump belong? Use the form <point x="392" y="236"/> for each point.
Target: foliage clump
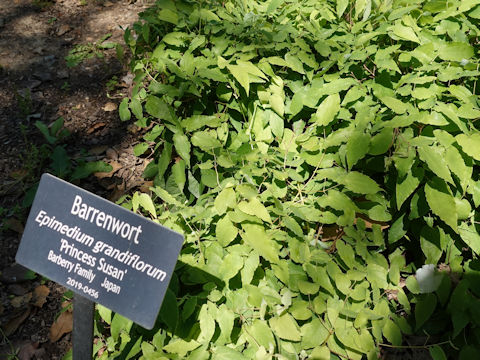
<point x="315" y="154"/>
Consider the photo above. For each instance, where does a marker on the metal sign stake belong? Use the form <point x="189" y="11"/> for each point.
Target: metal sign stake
<point x="83" y="312"/>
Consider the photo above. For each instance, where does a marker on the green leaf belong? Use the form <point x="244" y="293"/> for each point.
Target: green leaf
<point x="320" y="353"/>
<point x="451" y="111"/>
<point x="285" y="327"/>
<point x="123" y="110"/>
<point x="165" y="196"/>
<point x="277" y="104"/>
<point x="457" y="166"/>
<point x="57" y="126"/>
<point x="293" y="226"/>
<point x="276" y="123"/>
<point x="463" y="208"/>
<point x="470" y="236"/>
<point x="226" y="232"/>
<point x="392" y="333"/>
<point x="255" y="236"/>
<point x="406" y="187"/>
<point x="333" y="88"/>
<point x="231" y="265"/>
<point x="341" y="7"/>
<point x="241" y="76"/>
<point x="224" y="200"/>
<point x="397" y="230"/>
<point x="424" y="309"/>
<point x="175" y="38"/>
<point x="405" y="33"/>
<point x="178" y="172"/>
<point x="436" y="352"/>
<point x="45" y="131"/>
<point x="168" y="16"/>
<point x="169" y="310"/>
<point x="347" y="254"/>
<point x="377" y="275"/>
<point x="189" y="307"/>
<point x="357" y="147"/>
<point x="381" y="142"/>
<point x="313" y="333"/>
<point x="226" y="353"/>
<point x="441" y="202"/>
<point x="225" y="318"/>
<point x="193" y="185"/>
<point x="327" y="110"/>
<point x="308" y="288"/>
<point x="470" y="144"/>
<point x="105" y="313"/>
<point x="259" y="332"/>
<point x="468" y="352"/>
<point x="180" y="347"/>
<point x="348" y="335"/>
<point x="182" y="146"/>
<point x="430" y="244"/>
<point x="207" y="325"/>
<point x="86" y="169"/>
<point x="140" y="149"/>
<point x="60" y="161"/>
<point x="136" y="108"/>
<point x="412" y="284"/>
<point x="255" y="208"/>
<point x="273" y="5"/>
<point x="119" y="324"/>
<point x="205" y="140"/>
<point x="455" y="51"/>
<point x="294" y="63"/>
<point x="360" y="183"/>
<point x="145" y="201"/>
<point x="396" y="105"/>
<point x="245" y="72"/>
<point x="299" y="309"/>
<point x="434" y="157"/>
<point x="158" y="108"/>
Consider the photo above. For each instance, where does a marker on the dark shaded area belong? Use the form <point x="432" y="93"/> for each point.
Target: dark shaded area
<point x="36" y="85"/>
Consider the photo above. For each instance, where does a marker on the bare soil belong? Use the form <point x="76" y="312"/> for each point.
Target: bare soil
<point x="37" y="85"/>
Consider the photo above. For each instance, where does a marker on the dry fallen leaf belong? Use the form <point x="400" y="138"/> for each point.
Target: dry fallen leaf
<point x="19" y="301"/>
<point x="14" y="224"/>
<point x="40" y="295"/>
<point x="97" y="150"/>
<point x="111" y="154"/>
<point x="392" y="294"/>
<point x="133" y="129"/>
<point x="16" y="273"/>
<point x="145" y="187"/>
<point x="28" y="351"/>
<point x="19" y="174"/>
<point x="17" y="289"/>
<point x="110" y="106"/>
<point x="67" y="304"/>
<point x="96" y="126"/>
<point x="63" y="325"/>
<point x="115" y="167"/>
<point x="117" y="193"/>
<point x="13" y="324"/>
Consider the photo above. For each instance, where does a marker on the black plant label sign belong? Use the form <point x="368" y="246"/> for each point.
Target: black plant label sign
<point x="99" y="250"/>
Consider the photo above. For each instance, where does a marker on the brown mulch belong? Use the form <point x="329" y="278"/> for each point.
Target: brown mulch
<point x="37" y="85"/>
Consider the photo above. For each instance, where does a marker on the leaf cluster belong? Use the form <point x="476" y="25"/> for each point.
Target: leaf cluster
<point x="315" y="154"/>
